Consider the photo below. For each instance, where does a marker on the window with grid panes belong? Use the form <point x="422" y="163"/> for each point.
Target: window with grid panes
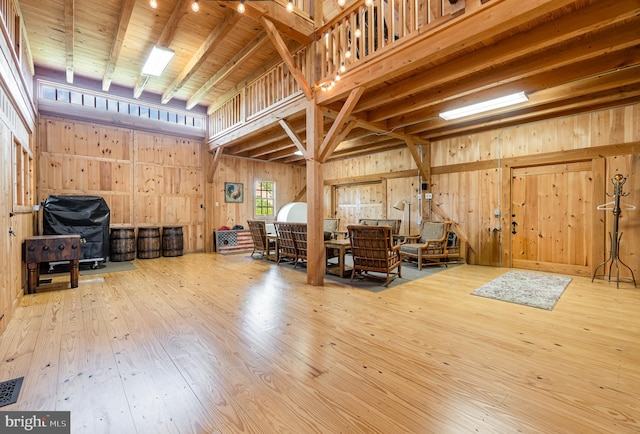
<point x="265" y="198"/>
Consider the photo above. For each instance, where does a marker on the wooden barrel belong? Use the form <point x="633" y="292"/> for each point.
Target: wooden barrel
<point x="122" y="244"/>
<point x="148" y="243"/>
<point x="172" y="241"/>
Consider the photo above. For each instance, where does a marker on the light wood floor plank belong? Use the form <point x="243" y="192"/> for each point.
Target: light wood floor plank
<point x="206" y="343"/>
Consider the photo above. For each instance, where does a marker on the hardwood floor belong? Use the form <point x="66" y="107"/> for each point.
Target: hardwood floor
<point x="206" y="343"/>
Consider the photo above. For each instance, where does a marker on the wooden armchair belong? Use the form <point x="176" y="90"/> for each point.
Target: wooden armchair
<point x="259" y="235"/>
<point x="331" y="228"/>
<point x="292" y="241"/>
<point x="373" y="251"/>
<point x="430" y="245"/>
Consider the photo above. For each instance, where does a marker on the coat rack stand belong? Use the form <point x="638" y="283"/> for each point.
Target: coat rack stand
<point x="614" y="254"/>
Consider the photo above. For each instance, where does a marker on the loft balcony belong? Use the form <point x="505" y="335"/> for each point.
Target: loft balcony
<point x="404" y="62"/>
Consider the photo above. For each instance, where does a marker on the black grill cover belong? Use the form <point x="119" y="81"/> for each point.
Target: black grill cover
<point x="84" y="215"/>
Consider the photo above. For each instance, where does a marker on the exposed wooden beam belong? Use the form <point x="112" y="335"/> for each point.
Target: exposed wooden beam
<point x="370" y="178"/>
<point x="216" y="154"/>
<point x="69" y="34"/>
<point x="300" y="194"/>
<point x="543" y="80"/>
<point x="249" y="50"/>
<point x="294" y="137"/>
<point x="180" y="10"/>
<point x="293" y="25"/>
<point x="126" y="10"/>
<point x="339" y="138"/>
<point x="287" y="58"/>
<point x="168" y="33"/>
<point x="379" y="128"/>
<point x="517" y="50"/>
<point x="217" y="35"/>
<point x="331" y="139"/>
<point x="575" y="97"/>
<point x="461" y="233"/>
<point x="595" y="55"/>
<point x="417" y="158"/>
<point x="490" y="21"/>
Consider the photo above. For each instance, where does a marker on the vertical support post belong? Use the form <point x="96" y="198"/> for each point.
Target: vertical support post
<point x="315" y="205"/>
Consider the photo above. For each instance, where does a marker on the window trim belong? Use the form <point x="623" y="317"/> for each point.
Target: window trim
<point x="256" y="183"/>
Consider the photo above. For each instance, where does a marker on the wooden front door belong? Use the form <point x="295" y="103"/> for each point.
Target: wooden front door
<point x="552" y="208"/>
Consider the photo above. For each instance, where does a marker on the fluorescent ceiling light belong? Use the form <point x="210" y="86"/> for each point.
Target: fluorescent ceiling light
<point x="157" y="61"/>
<point x="485" y="106"/>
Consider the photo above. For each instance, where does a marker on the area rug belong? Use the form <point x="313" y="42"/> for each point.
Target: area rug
<point x="530" y="289"/>
<point x="87" y="270"/>
<point x="409" y="272"/>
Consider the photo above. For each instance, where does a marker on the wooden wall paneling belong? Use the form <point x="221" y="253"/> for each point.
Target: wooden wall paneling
<point x="290" y="180"/>
<point x="81" y="139"/>
<point x="489" y="230"/>
<point x="133" y="171"/>
<point x="398" y="188"/>
<point x="6" y="206"/>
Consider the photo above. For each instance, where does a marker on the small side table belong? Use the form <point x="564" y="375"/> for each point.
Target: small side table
<point x="51" y="248"/>
<point x="275" y="254"/>
<point x="343" y="246"/>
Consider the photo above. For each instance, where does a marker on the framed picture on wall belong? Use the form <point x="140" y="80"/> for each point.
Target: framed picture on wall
<point x="233" y="192"/>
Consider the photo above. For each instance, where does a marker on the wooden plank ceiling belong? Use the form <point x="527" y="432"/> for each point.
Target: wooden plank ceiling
<point x="569" y="56"/>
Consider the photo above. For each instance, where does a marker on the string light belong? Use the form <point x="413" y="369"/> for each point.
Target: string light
<point x="341" y="2"/>
<point x="195" y="6"/>
<point x="368" y="2"/>
<point x="358" y="33"/>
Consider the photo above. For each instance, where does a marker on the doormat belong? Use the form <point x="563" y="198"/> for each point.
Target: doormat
<point x="9" y="391"/>
<point x="530" y="289"/>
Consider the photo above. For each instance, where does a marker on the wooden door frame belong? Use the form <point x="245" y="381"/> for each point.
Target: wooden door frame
<point x="334" y="189"/>
<point x="598" y="240"/>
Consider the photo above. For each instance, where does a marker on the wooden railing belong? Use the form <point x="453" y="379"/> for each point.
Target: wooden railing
<point x="275" y="86"/>
<point x="368" y="27"/>
<point x="362" y="31"/>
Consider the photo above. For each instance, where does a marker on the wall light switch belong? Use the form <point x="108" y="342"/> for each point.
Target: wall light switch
<point x="217" y="203"/>
<point x="428" y="196"/>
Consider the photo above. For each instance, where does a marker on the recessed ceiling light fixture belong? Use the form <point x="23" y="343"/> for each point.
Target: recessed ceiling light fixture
<point x="492" y="104"/>
<point x="157" y="61"/>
